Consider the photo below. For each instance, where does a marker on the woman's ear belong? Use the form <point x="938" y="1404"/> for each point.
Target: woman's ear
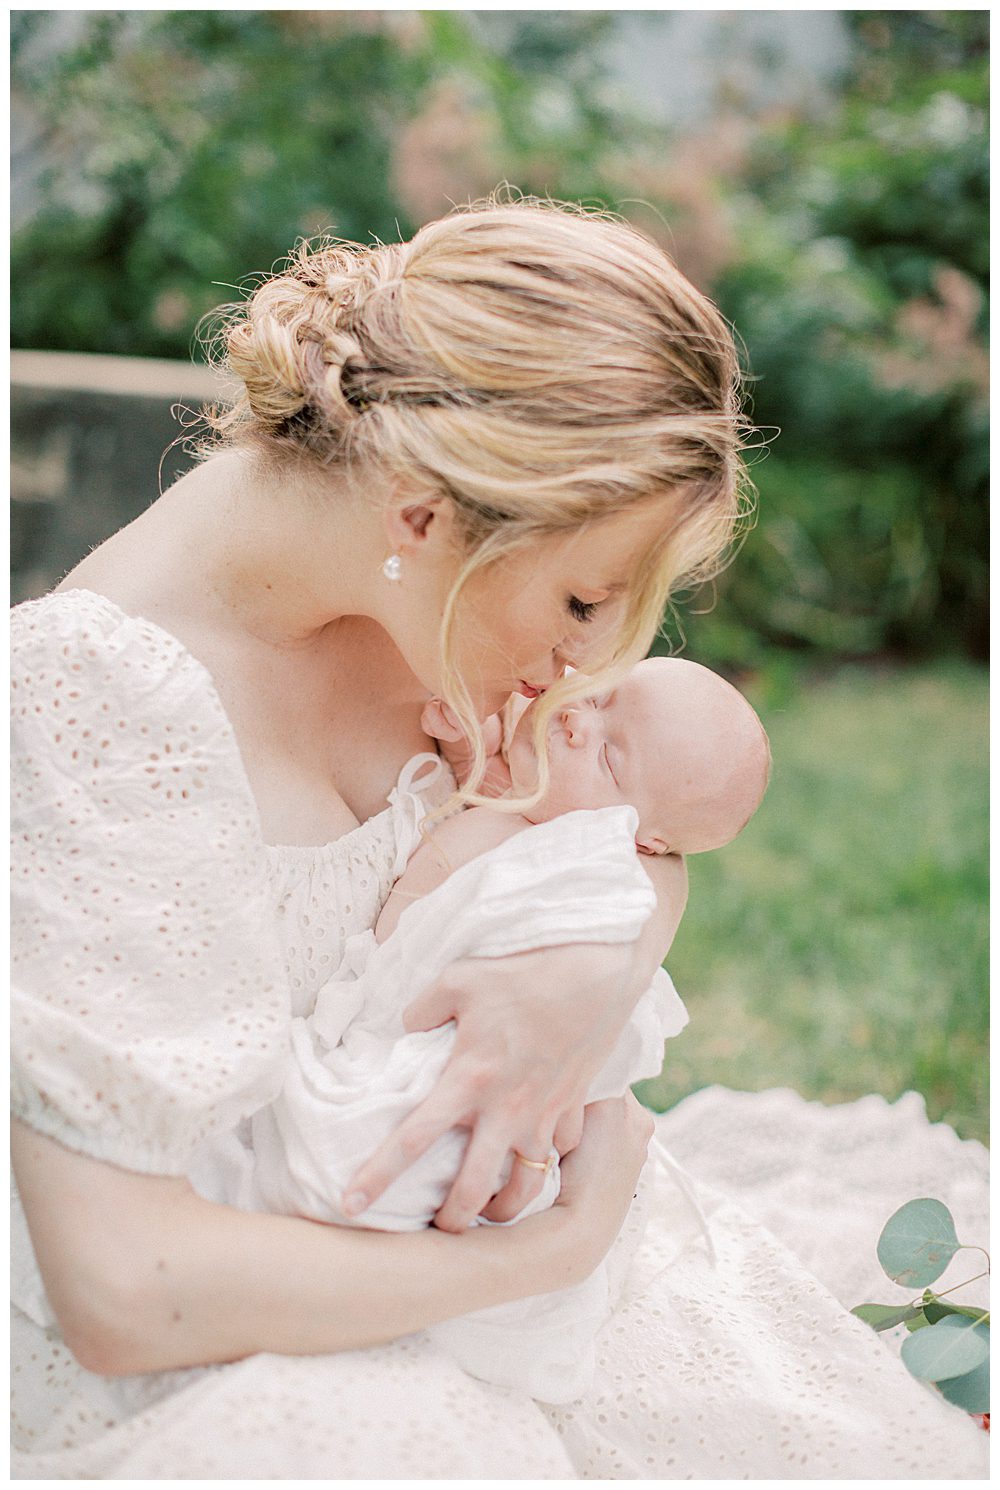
<point x="414" y="519"/>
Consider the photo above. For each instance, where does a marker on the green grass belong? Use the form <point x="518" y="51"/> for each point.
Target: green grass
<point x="839" y="946"/>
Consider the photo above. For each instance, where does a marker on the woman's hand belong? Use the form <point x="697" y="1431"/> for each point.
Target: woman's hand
<point x="599" y="1178"/>
<point x="532" y="1032"/>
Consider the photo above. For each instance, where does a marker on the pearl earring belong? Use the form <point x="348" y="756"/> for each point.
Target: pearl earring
<point x="393" y="567"/>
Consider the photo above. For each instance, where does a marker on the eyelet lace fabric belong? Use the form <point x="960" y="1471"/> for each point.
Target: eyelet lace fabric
<point x="149" y="1006"/>
<point x="318" y="898"/>
<point x="160" y="950"/>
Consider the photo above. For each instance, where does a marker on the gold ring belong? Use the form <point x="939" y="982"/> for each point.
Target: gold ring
<point x="543" y="1165"/>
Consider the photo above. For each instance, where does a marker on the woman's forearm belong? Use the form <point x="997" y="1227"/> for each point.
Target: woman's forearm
<point x="234" y="1284"/>
<point x="176" y="1280"/>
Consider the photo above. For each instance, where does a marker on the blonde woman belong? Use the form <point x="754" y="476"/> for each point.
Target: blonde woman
<point x="459" y="464"/>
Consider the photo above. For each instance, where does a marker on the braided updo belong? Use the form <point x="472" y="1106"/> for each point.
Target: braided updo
<point x="542" y="365"/>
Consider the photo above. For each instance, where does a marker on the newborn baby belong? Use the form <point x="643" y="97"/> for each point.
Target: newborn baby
<point x="673" y="740"/>
<point x="672" y="760"/>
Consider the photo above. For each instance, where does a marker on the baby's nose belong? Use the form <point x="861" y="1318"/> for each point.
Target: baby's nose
<point x="574" y="722"/>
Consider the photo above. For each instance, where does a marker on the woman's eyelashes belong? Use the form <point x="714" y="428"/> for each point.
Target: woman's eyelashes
<point x="582" y="610"/>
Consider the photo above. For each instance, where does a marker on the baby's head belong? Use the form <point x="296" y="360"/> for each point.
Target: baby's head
<point x="673" y="740"/>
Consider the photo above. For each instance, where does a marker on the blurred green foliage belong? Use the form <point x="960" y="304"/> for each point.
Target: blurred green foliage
<point x="188" y="149"/>
<point x="211" y="140"/>
<point x="861" y="292"/>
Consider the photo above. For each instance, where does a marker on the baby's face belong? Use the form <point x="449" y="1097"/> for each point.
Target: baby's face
<point x="604" y="751"/>
<point x="673" y="740"/>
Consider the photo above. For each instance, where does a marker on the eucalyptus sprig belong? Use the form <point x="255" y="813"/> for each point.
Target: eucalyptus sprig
<point x="948" y="1344"/>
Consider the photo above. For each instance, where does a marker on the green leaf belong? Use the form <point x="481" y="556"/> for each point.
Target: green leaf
<point x="972" y="1391"/>
<point x="952" y="1347"/>
<point x="937" y="1309"/>
<point x="920" y="1323"/>
<point x="885" y="1316"/>
<point x="917" y="1243"/>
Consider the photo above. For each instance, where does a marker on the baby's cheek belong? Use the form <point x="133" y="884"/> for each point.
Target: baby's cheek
<point x="567" y="795"/>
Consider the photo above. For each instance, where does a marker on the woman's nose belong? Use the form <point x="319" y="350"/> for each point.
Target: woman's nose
<point x="560" y="660"/>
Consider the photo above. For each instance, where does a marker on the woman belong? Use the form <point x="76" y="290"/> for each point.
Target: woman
<point x="459" y="465"/>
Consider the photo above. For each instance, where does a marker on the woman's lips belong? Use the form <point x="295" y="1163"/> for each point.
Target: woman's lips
<point x="527" y="690"/>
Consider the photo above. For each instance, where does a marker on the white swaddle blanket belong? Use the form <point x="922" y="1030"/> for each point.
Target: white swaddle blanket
<point x="354" y="1073"/>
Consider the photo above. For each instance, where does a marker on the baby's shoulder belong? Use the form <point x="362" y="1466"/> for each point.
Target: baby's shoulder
<point x="449" y="844"/>
<point x="446" y="847"/>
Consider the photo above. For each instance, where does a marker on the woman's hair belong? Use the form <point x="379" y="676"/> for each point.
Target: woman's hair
<point x="543" y="365"/>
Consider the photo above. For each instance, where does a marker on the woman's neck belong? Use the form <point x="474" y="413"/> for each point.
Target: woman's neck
<point x="231" y="557"/>
<point x="274" y="556"/>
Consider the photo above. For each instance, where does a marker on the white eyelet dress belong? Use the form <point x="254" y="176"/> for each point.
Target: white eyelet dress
<point x="160" y="952"/>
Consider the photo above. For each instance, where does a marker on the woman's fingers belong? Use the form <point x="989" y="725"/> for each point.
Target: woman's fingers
<point x="522" y="1187"/>
<point x="393" y="1157"/>
<point x="476" y="1183"/>
<point x="569" y="1130"/>
<point x="475" y="1186"/>
<point x="430" y="1009"/>
<point x="526" y="1181"/>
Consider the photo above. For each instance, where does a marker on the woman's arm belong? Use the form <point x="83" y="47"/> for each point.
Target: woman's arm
<point x="532" y="1032"/>
<point x="145" y="1275"/>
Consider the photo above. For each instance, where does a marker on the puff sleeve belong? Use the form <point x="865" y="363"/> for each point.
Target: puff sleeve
<point x="148" y="1010"/>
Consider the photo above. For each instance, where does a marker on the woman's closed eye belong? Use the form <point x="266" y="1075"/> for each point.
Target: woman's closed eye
<point x="582" y="610"/>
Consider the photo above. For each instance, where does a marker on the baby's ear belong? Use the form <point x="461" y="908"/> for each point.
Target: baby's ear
<point x="648" y="843"/>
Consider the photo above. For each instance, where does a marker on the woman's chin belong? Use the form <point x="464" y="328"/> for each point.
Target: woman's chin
<point x="493" y="703"/>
